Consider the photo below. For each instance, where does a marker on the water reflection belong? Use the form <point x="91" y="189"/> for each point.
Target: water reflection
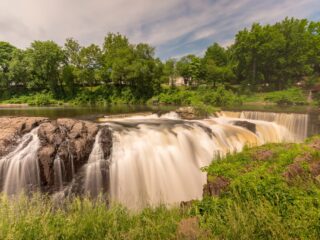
<point x="79" y="112"/>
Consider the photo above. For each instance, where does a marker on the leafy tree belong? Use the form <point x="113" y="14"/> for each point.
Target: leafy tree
<point x="18" y="70"/>
<point x="90" y="64"/>
<point x="46" y="59"/>
<point x="218" y="54"/>
<point x="6" y="54"/>
<point x="189" y="67"/>
<point x="169" y="71"/>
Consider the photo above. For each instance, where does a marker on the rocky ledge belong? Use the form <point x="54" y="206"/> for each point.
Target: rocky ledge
<point x="67" y="139"/>
<point x="12" y="128"/>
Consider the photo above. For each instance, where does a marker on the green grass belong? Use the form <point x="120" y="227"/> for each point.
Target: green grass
<point x="260" y="202"/>
<point x="201" y="95"/>
<point x="39" y="218"/>
<point x="291" y="96"/>
<point x="36" y="99"/>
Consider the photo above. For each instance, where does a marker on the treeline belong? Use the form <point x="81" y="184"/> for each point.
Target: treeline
<point x="264" y="57"/>
<point x="269" y="57"/>
<point x="62" y="70"/>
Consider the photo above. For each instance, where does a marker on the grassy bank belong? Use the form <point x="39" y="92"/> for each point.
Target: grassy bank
<point x="291" y="96"/>
<point x="267" y="192"/>
<point x="199" y="97"/>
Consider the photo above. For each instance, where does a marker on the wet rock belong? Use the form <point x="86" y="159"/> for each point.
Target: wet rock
<point x="68" y="139"/>
<point x="106" y="142"/>
<point x="245" y="124"/>
<point x="215" y="186"/>
<point x="12" y="128"/>
<point x="188" y="113"/>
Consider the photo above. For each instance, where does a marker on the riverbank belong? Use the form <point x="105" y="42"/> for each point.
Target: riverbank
<point x="267" y="192"/>
<point x="201" y="97"/>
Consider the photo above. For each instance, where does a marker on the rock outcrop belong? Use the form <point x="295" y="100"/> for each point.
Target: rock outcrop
<point x="215" y="186"/>
<point x="68" y="140"/>
<point x="12" y="128"/>
<point x="188" y="113"/>
<point x="245" y="124"/>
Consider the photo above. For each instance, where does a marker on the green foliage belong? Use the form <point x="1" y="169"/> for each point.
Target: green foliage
<point x="261" y="202"/>
<point x="39" y="218"/>
<point x="291" y="96"/>
<point x="278" y="55"/>
<point x="36" y="99"/>
<point x="287" y="97"/>
<point x="200" y="96"/>
<point x="263" y="58"/>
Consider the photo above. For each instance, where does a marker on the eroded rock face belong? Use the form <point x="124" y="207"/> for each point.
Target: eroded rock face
<point x="12" y="128"/>
<point x="67" y="139"/>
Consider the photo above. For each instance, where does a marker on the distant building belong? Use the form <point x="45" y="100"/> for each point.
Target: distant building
<point x="176" y="81"/>
<point x="179" y="81"/>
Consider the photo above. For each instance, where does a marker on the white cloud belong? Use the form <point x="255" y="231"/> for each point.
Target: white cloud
<point x="167" y="24"/>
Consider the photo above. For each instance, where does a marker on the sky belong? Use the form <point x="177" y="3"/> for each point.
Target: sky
<point x="174" y="27"/>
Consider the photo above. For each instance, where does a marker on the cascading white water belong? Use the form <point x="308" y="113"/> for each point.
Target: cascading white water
<point x="154" y="160"/>
<point x="59" y="170"/>
<point x="19" y="170"/>
<point x="93" y="170"/>
<point x="157" y="160"/>
<point x="296" y="124"/>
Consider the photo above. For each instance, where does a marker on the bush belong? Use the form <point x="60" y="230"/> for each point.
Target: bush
<point x="292" y="96"/>
<point x="201" y="96"/>
<point x="36" y="99"/>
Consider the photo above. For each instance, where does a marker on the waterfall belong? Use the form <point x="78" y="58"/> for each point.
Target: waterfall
<point x="158" y="160"/>
<point x="59" y="171"/>
<point x="150" y="160"/>
<point x="19" y="170"/>
<point x="296" y="124"/>
<point x="96" y="170"/>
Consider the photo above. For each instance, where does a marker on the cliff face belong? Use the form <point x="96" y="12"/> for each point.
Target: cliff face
<point x="71" y="141"/>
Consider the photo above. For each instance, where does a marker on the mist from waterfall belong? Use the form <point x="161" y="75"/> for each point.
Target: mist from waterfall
<point x="19" y="170"/>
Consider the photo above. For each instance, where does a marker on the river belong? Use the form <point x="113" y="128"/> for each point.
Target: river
<point x="152" y="159"/>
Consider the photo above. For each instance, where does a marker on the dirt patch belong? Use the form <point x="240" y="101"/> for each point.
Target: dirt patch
<point x="306" y="157"/>
<point x="189" y="229"/>
<point x="293" y="171"/>
<point x="216" y="186"/>
<point x="314" y="168"/>
<point x="263" y="155"/>
<point x="315" y="144"/>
